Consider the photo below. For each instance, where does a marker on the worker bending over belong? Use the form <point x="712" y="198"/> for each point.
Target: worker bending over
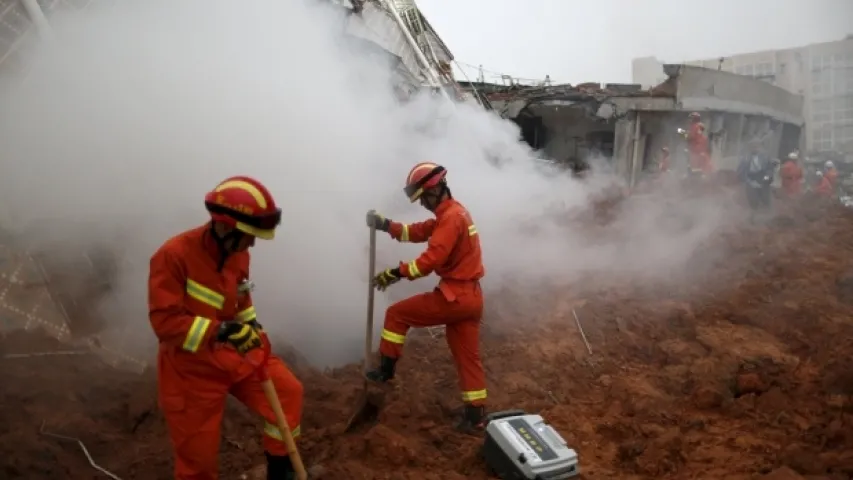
<point x="202" y="313"/>
<point x="453" y="253"/>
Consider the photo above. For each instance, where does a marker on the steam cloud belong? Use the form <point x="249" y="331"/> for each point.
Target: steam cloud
<point x="140" y="108"/>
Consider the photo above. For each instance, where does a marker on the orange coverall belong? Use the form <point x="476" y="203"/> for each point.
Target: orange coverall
<point x="824" y="187"/>
<point x="792" y="177"/>
<point x="454" y="254"/>
<point x="663" y="163"/>
<point x="697" y="145"/>
<point x="187" y="300"/>
<point x="832" y="176"/>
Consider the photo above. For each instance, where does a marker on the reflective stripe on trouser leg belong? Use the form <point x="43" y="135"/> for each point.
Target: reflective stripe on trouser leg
<point x="393" y="334"/>
<point x="273" y="431"/>
<point x="463" y="338"/>
<point x="474" y="396"/>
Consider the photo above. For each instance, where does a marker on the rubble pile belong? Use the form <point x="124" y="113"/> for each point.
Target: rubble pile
<point x="753" y="379"/>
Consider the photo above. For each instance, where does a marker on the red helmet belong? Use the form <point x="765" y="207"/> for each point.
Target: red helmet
<point x="245" y="204"/>
<point x="423" y="176"/>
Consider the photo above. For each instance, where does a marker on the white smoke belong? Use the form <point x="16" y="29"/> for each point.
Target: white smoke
<point x="139" y="109"/>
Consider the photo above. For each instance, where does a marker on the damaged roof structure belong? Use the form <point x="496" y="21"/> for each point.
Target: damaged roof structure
<point x="629" y="125"/>
<point x="392" y="31"/>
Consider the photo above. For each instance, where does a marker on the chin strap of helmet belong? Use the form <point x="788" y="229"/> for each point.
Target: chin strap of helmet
<point x="234" y="236"/>
<point x="442" y="189"/>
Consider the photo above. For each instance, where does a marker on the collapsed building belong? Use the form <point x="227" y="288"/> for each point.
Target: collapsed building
<point x="629" y="126"/>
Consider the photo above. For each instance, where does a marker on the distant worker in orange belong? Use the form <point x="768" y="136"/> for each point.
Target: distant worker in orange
<point x="792" y="176"/>
<point x="697" y="146"/>
<point x="831" y="174"/>
<point x="453" y="253"/>
<point x="200" y="307"/>
<point x="664" y="161"/>
<point x="823" y="186"/>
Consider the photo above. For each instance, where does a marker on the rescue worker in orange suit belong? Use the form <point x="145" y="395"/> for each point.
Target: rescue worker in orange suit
<point x="205" y="322"/>
<point x="664" y="161"/>
<point x="831" y="174"/>
<point x="824" y="186"/>
<point x="792" y="176"/>
<point x="697" y="146"/>
<point x="453" y="253"/>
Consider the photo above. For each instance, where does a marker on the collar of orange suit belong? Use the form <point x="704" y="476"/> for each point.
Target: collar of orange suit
<point x="210" y="245"/>
<point x="443" y="206"/>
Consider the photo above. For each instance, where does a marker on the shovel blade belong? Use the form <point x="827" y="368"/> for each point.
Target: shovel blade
<point x="366" y="411"/>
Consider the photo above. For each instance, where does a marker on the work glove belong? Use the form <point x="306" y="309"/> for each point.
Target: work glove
<point x="376" y="220"/>
<point x="387" y="278"/>
<point x="243" y="336"/>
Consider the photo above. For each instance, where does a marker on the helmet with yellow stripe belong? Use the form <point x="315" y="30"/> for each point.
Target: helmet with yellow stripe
<point x="245" y="204"/>
<point x="424" y="176"/>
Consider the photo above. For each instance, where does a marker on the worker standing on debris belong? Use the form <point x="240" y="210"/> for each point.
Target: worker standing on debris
<point x="664" y="160"/>
<point x="697" y="146"/>
<point x="453" y="253"/>
<point x="757" y="170"/>
<point x="831" y="174"/>
<point x="792" y="176"/>
<point x="823" y="185"/>
<point x="200" y="308"/>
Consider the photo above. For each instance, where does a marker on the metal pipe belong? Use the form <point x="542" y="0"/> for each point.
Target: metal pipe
<point x="37" y="17"/>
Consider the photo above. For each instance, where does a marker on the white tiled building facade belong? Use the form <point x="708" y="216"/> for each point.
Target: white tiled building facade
<point x="822" y="73"/>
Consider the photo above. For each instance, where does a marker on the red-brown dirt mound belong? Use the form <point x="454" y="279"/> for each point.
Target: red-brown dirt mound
<point x="749" y="380"/>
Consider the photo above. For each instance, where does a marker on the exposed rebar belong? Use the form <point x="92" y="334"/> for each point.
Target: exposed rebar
<point x="82" y="447"/>
<point x="580" y="329"/>
<point x="46" y="354"/>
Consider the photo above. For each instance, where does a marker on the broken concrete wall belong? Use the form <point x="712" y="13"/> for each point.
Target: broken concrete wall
<point x="568" y="134"/>
<point x="623" y="146"/>
<point x="704" y="89"/>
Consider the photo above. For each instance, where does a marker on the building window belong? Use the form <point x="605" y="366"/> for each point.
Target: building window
<point x="845" y="136"/>
<point x="748" y="70"/>
<point x="823" y="139"/>
<point x="821" y="83"/>
<point x="763" y="69"/>
<point x="821" y="111"/>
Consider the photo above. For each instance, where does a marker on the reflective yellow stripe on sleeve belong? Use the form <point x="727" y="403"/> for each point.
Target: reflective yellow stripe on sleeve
<point x="472" y="230"/>
<point x="247" y="315"/>
<point x="205" y="295"/>
<point x="404" y="236"/>
<point x="196" y="334"/>
<point x="474" y="395"/>
<point x="413" y="269"/>
<point x="271" y="430"/>
<point x="393" y="337"/>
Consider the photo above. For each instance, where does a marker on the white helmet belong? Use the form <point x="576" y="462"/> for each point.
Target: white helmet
<point x="819" y="173"/>
<point x="829" y="164"/>
<point x="793" y="155"/>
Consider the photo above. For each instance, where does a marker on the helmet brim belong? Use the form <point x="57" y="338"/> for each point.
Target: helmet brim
<point x="255" y="231"/>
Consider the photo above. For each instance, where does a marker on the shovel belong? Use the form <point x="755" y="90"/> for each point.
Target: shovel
<point x="260" y="364"/>
<point x="365" y="409"/>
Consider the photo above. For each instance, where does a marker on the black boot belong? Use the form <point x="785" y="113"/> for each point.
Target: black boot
<point x="473" y="419"/>
<point x="279" y="467"/>
<point x="385" y="372"/>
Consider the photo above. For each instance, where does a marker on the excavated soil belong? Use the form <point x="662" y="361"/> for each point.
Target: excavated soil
<point x="749" y="379"/>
